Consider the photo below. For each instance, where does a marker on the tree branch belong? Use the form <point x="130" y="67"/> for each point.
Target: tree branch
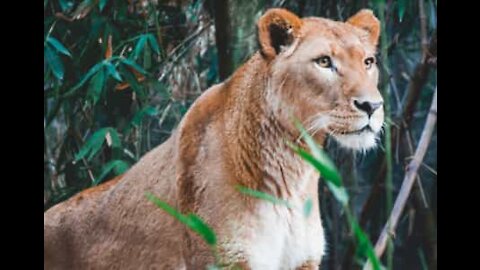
<point x="414" y="88"/>
<point x="409" y="180"/>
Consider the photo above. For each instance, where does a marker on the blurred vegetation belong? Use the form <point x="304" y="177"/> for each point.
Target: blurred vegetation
<point x="119" y="75"/>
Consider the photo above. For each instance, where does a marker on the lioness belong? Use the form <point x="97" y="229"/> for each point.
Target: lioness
<point x="319" y="71"/>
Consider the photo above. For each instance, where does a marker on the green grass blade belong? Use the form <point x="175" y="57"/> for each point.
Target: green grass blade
<point x="340" y="193"/>
<point x="200" y="227"/>
<point x="192" y="221"/>
<point x="327" y="171"/>
<point x="118" y="166"/>
<point x="365" y="246"/>
<point x="262" y="195"/>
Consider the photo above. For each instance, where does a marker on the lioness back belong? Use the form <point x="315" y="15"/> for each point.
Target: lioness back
<point x="100" y="227"/>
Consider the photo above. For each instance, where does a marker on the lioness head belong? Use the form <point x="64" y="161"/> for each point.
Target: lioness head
<point x="324" y="73"/>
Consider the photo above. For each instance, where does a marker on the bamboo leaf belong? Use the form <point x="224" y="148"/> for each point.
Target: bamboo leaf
<point x="93" y="144"/>
<point x="132" y="82"/>
<point x="192" y="221"/>
<point x="133" y="65"/>
<point x="58" y="46"/>
<point x="121" y="167"/>
<point x="401" y="9"/>
<point x="96" y="86"/>
<point x="139" y="46"/>
<point x="153" y="43"/>
<point x="91" y="72"/>
<point x="113" y="71"/>
<point x="118" y="166"/>
<point x="365" y="246"/>
<point x="200" y="227"/>
<point x="54" y="62"/>
<point x="262" y="195"/>
<point x="147" y="58"/>
<point x="102" y="4"/>
<point x="149" y="110"/>
<point x="328" y="173"/>
<point x="65" y="5"/>
<point x="340" y="193"/>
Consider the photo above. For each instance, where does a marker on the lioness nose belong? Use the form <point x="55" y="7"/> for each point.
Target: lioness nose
<point x="367" y="106"/>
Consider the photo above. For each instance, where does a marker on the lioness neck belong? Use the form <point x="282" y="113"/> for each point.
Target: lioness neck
<point x="257" y="136"/>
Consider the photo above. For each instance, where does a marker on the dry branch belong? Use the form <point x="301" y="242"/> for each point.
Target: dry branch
<point x="405" y="116"/>
<point x="409" y="180"/>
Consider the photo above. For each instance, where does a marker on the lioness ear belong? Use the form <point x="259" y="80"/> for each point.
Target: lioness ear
<point x="277" y="28"/>
<point x="365" y="20"/>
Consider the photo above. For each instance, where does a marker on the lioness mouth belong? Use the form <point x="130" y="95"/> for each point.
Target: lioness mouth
<point x="359" y="131"/>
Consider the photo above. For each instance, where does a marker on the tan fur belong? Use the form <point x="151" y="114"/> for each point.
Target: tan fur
<point x="234" y="134"/>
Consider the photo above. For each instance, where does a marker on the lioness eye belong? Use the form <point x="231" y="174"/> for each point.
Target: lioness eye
<point x="369" y="62"/>
<point x="324" y="61"/>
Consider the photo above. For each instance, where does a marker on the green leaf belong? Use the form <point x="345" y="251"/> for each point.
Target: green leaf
<point x="91" y="72"/>
<point x="167" y="208"/>
<point x="192" y="221"/>
<point x="132" y="81"/>
<point x="401" y="9"/>
<point x="307" y="207"/>
<point x="152" y="111"/>
<point x="147" y="58"/>
<point x="133" y="65"/>
<point x="118" y="166"/>
<point x="200" y="227"/>
<point x="92" y="145"/>
<point x="365" y="246"/>
<point x="101" y="4"/>
<point x="54" y="62"/>
<point x="149" y="110"/>
<point x="340" y="193"/>
<point x="58" y="46"/>
<point x="113" y="71"/>
<point x="139" y="46"/>
<point x="153" y="43"/>
<point x="326" y="171"/>
<point x="96" y="86"/>
<point x="262" y="195"/>
<point x="121" y="167"/>
<point x="65" y="5"/>
<point x="323" y="163"/>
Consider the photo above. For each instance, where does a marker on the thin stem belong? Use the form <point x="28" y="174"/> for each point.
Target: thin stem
<point x="388" y="139"/>
<point x="408" y="181"/>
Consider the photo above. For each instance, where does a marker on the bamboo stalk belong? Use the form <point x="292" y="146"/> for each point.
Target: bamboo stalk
<point x="409" y="180"/>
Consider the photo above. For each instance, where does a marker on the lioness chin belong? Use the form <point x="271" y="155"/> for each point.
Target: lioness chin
<point x="319" y="71"/>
